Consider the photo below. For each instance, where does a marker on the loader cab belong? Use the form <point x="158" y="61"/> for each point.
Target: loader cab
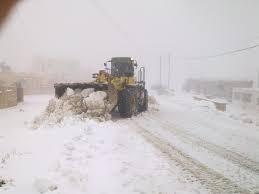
<point x="122" y="66"/>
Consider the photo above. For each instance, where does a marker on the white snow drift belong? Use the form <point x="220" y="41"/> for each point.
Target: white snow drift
<point x="83" y="104"/>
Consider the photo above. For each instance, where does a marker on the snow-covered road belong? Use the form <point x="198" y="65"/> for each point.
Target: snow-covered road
<point x="183" y="148"/>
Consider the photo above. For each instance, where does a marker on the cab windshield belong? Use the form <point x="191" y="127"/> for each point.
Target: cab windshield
<point x="122" y="69"/>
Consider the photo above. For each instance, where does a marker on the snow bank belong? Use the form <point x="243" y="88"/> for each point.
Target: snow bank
<point x="2" y="182"/>
<point x="44" y="185"/>
<point x="244" y="117"/>
<point x="81" y="104"/>
<point x="5" y="184"/>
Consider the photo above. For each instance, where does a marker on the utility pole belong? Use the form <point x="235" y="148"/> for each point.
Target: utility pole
<point x="169" y="70"/>
<point x="172" y="71"/>
<point x="160" y="72"/>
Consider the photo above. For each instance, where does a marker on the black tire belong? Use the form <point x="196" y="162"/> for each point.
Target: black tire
<point x="127" y="102"/>
<point x="145" y="105"/>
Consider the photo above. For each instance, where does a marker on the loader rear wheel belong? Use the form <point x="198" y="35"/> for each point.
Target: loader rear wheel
<point x="127" y="103"/>
<point x="145" y="104"/>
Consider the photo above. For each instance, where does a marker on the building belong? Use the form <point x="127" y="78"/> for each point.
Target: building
<point x="10" y="90"/>
<point x="61" y="69"/>
<point x="36" y="83"/>
<point x="32" y="83"/>
<point x="215" y="88"/>
<point x="8" y="96"/>
<point x="246" y="98"/>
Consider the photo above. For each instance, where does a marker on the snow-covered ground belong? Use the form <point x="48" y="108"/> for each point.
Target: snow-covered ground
<point x="185" y="147"/>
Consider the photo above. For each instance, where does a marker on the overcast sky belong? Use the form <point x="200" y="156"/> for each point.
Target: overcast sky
<point x="92" y="31"/>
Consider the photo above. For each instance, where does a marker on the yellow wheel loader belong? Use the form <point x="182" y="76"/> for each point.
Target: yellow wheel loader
<point x="124" y="89"/>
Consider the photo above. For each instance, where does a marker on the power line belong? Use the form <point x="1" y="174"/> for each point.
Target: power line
<point x="169" y="71"/>
<point x="221" y="54"/>
<point x="117" y="26"/>
<point x="160" y="71"/>
<point x="107" y="15"/>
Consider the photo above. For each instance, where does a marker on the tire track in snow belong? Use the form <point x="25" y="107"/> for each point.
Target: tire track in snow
<point x="218" y="126"/>
<point x="220" y="151"/>
<point x="211" y="179"/>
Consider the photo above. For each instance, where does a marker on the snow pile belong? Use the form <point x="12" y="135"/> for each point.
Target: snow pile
<point x="2" y="182"/>
<point x="44" y="185"/>
<point x="86" y="92"/>
<point x="5" y="184"/>
<point x="152" y="104"/>
<point x="244" y="117"/>
<point x="96" y="105"/>
<point x="80" y="104"/>
<point x="247" y="120"/>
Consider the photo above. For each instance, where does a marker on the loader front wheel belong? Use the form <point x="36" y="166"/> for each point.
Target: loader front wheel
<point x="127" y="103"/>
